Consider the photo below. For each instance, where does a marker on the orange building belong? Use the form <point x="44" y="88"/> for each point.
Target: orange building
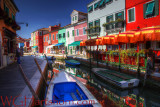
<point x="8" y="28"/>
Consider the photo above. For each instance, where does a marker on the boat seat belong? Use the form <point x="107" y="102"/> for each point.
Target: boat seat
<point x="79" y="94"/>
<point x="74" y="96"/>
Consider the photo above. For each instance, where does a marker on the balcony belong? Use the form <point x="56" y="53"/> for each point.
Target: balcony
<point x="8" y="21"/>
<point x="94" y="30"/>
<point x="114" y="26"/>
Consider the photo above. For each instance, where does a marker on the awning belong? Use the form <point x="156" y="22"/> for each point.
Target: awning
<point x="34" y="46"/>
<point x="58" y="44"/>
<point x="76" y="43"/>
<point x="50" y="46"/>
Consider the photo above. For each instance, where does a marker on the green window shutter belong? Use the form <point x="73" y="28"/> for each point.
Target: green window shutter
<point x="73" y="18"/>
<point x="144" y="10"/>
<point x="96" y="5"/>
<point x="107" y="1"/>
<point x="150" y="8"/>
<point x="156" y="7"/>
<point x="68" y="33"/>
<point x="101" y="3"/>
<point x="72" y="32"/>
<point x="13" y="17"/>
<point x="90" y="8"/>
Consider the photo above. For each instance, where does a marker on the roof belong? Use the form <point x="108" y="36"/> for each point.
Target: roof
<point x="82" y="13"/>
<point x="91" y="2"/>
<point x="14" y="5"/>
<point x="41" y="29"/>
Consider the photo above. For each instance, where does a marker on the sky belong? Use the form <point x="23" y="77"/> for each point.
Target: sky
<point x="43" y="13"/>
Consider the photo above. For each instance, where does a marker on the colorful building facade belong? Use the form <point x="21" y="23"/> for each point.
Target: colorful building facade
<point x="141" y="14"/>
<point x="62" y="40"/>
<point x="80" y="35"/>
<point x="8" y="28"/>
<point x="51" y="39"/>
<point x="37" y="40"/>
<point x="105" y="17"/>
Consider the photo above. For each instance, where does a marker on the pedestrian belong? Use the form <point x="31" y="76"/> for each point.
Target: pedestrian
<point x="18" y="55"/>
<point x="149" y="67"/>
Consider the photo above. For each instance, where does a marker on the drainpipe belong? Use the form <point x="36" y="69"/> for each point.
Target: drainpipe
<point x="97" y="53"/>
<point x="138" y="69"/>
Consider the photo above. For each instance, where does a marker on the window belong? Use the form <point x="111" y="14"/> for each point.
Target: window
<point x="77" y="32"/>
<point x="53" y="36"/>
<point x="84" y="31"/>
<point x="97" y="22"/>
<point x="44" y="39"/>
<point x="6" y="9"/>
<point x="13" y="17"/>
<point x="40" y="33"/>
<point x="110" y="25"/>
<point x="120" y="15"/>
<point x="109" y="18"/>
<point x="72" y="32"/>
<point x="90" y="24"/>
<point x="64" y="35"/>
<point x="90" y="8"/>
<point x="73" y="18"/>
<point x="49" y="36"/>
<point x="68" y="33"/>
<point x="131" y="15"/>
<point x="151" y="9"/>
<point x="57" y="36"/>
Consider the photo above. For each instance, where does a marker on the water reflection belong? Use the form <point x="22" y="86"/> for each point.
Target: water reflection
<point x="136" y="97"/>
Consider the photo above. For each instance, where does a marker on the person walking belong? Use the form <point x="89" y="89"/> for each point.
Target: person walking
<point x="18" y="55"/>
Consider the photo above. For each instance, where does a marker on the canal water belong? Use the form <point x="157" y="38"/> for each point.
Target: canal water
<point x="136" y="97"/>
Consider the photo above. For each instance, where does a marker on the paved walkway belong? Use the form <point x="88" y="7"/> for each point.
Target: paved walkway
<point x="11" y="81"/>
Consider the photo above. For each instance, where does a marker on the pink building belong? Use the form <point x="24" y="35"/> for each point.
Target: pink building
<point x="81" y="34"/>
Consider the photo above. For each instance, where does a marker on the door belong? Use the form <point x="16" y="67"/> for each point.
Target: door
<point x="148" y="45"/>
<point x="71" y="50"/>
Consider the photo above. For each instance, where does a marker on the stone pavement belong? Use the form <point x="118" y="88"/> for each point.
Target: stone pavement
<point x="11" y="81"/>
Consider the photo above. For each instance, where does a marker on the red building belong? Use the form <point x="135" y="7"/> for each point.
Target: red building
<point x="27" y="47"/>
<point x="38" y="41"/>
<point x="50" y="39"/>
<point x="141" y="14"/>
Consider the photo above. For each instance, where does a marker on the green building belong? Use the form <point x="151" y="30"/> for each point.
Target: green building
<point x="62" y="40"/>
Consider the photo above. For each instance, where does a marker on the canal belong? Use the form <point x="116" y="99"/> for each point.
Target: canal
<point x="107" y="94"/>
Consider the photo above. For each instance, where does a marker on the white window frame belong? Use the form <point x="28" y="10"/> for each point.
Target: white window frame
<point x="134" y="14"/>
<point x="77" y="32"/>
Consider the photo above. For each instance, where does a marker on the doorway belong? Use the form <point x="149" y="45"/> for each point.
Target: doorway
<point x="148" y="44"/>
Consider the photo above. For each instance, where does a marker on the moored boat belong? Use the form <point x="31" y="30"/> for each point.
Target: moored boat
<point x="66" y="91"/>
<point x="72" y="62"/>
<point x="118" y="79"/>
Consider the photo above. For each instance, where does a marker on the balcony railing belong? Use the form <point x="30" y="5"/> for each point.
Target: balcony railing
<point x="94" y="30"/>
